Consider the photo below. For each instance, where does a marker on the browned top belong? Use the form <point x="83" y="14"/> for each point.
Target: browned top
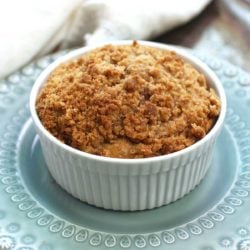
<point x="128" y="102"/>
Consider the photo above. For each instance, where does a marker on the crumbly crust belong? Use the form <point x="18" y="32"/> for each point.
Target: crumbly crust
<point x="128" y="101"/>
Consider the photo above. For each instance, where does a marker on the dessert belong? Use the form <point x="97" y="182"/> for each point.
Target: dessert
<point x="127" y="101"/>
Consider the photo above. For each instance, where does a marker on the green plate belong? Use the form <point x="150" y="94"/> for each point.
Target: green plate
<point x="35" y="213"/>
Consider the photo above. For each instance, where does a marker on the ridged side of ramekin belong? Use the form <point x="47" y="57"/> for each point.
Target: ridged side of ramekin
<point x="125" y="187"/>
<point x="128" y="184"/>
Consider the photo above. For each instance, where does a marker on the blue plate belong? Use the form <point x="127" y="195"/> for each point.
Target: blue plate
<point x="35" y="213"/>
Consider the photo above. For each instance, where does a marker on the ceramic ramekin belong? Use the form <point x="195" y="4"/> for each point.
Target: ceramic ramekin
<point x="128" y="184"/>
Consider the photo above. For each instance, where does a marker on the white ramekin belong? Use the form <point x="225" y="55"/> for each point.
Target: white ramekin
<point x="128" y="184"/>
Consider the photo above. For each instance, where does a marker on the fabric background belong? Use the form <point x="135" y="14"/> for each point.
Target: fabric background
<point x="29" y="29"/>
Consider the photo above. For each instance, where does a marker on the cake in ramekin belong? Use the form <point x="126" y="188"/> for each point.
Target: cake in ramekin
<point x="129" y="125"/>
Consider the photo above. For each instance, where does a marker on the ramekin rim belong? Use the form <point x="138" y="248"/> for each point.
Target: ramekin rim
<point x="78" y="52"/>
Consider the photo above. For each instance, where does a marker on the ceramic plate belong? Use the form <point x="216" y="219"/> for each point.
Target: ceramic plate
<point x="35" y="213"/>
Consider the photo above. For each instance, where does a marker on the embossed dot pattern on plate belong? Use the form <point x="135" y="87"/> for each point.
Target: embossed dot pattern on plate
<point x="12" y="185"/>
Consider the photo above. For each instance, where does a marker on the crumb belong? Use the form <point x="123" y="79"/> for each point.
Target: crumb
<point x="128" y="101"/>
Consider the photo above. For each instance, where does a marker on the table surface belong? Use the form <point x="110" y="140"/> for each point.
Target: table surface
<point x="222" y="29"/>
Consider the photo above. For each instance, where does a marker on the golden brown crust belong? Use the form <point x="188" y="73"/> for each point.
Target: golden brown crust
<point x="128" y="101"/>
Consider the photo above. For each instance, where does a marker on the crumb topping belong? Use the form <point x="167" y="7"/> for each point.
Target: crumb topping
<point x="128" y="101"/>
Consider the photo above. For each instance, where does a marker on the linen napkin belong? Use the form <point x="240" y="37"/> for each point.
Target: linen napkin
<point x="29" y="29"/>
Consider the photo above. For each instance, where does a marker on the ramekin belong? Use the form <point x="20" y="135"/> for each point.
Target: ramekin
<point x="128" y="184"/>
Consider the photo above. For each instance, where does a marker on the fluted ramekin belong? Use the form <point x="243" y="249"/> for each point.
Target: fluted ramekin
<point x="128" y="184"/>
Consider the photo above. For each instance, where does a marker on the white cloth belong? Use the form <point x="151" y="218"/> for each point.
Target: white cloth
<point x="31" y="28"/>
